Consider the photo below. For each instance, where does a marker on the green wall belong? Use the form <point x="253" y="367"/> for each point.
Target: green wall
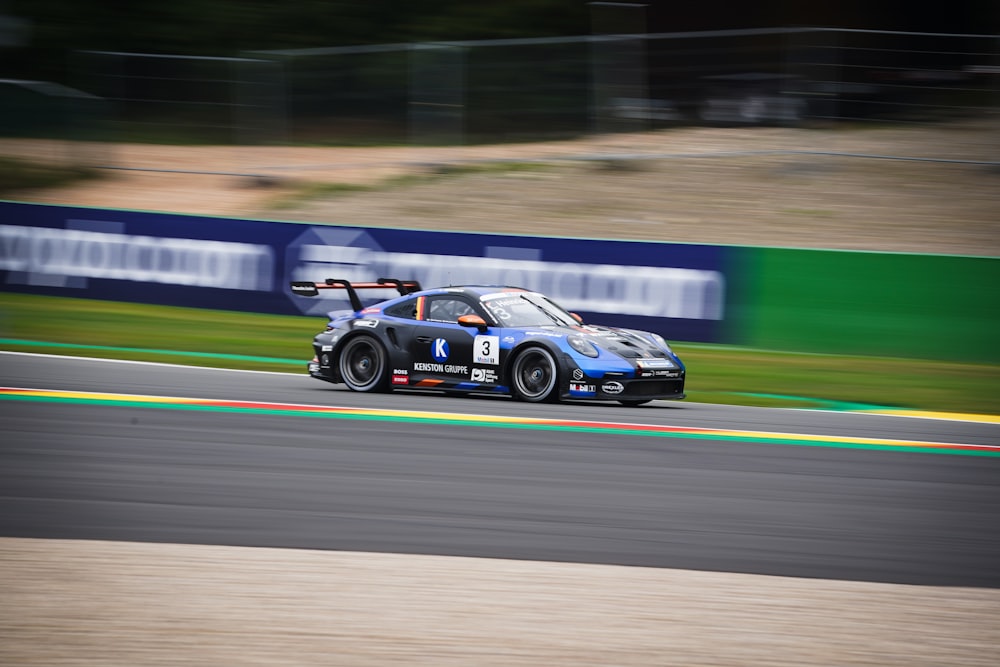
<point x="921" y="306"/>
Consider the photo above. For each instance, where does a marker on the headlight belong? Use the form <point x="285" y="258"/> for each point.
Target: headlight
<point x="659" y="340"/>
<point x="584" y="347"/>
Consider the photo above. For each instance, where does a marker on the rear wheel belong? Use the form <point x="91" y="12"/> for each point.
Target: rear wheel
<point x="363" y="365"/>
<point x="535" y="376"/>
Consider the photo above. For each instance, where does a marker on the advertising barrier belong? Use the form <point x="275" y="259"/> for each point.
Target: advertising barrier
<point x="679" y="290"/>
<point x="824" y="301"/>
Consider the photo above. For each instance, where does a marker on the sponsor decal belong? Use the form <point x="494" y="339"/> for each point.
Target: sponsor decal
<point x="508" y="340"/>
<point x="612" y="387"/>
<point x="326" y="348"/>
<point x="487" y="375"/>
<point x="486" y="350"/>
<point x="660" y="374"/>
<point x="577" y="374"/>
<point x="497" y="304"/>
<point x="371" y="324"/>
<point x="582" y="388"/>
<point x="400" y="376"/>
<point x="440" y="368"/>
<point x="550" y="334"/>
<point x="371" y="309"/>
<point x="511" y="296"/>
<point x="440" y="350"/>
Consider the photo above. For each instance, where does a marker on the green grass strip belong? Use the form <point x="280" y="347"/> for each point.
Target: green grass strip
<point x="824" y="403"/>
<point x="140" y="350"/>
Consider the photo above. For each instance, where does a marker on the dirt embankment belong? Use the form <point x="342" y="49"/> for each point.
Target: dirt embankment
<point x="753" y="186"/>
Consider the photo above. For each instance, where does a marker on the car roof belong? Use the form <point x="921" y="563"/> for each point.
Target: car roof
<point x="472" y="290"/>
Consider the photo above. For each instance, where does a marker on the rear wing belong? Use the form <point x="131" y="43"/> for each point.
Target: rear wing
<point x="404" y="287"/>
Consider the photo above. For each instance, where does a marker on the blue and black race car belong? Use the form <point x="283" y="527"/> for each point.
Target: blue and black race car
<point x="486" y="339"/>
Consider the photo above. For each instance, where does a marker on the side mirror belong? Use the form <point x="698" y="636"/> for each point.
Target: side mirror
<point x="472" y="321"/>
<point x="577" y="318"/>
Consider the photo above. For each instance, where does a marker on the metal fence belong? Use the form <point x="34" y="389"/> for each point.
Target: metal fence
<point x="523" y="89"/>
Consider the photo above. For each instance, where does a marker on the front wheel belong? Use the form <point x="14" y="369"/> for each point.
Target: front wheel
<point x="363" y="365"/>
<point x="535" y="376"/>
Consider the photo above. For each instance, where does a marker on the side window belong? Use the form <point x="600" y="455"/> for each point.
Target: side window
<point x="407" y="309"/>
<point x="447" y="309"/>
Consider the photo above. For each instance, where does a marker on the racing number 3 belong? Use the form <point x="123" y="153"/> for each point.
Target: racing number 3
<point x="486" y="350"/>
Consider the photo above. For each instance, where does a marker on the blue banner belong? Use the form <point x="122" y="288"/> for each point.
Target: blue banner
<point x="683" y="291"/>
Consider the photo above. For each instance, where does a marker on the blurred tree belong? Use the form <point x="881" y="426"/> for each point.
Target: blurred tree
<point x="961" y="16"/>
<point x="227" y="27"/>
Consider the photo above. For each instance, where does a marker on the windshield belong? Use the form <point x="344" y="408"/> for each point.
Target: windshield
<point x="527" y="310"/>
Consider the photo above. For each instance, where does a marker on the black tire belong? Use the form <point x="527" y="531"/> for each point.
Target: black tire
<point x="363" y="365"/>
<point x="632" y="404"/>
<point x="535" y="376"/>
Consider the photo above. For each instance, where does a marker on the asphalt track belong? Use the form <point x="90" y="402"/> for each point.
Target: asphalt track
<point x="677" y="485"/>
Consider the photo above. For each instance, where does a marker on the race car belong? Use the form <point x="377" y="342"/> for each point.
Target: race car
<point x="486" y="339"/>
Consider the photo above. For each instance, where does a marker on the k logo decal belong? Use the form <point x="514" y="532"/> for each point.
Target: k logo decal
<point x="440" y="351"/>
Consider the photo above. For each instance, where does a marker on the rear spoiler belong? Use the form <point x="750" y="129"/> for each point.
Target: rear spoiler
<point x="404" y="287"/>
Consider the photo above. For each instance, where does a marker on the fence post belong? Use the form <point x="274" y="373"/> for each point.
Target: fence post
<point x="996" y="98"/>
<point x="620" y="95"/>
<point x="437" y="94"/>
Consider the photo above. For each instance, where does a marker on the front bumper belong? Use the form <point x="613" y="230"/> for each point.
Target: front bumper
<point x="618" y="388"/>
<point x="320" y="372"/>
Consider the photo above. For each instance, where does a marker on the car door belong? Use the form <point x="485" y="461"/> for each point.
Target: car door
<point x="442" y="349"/>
